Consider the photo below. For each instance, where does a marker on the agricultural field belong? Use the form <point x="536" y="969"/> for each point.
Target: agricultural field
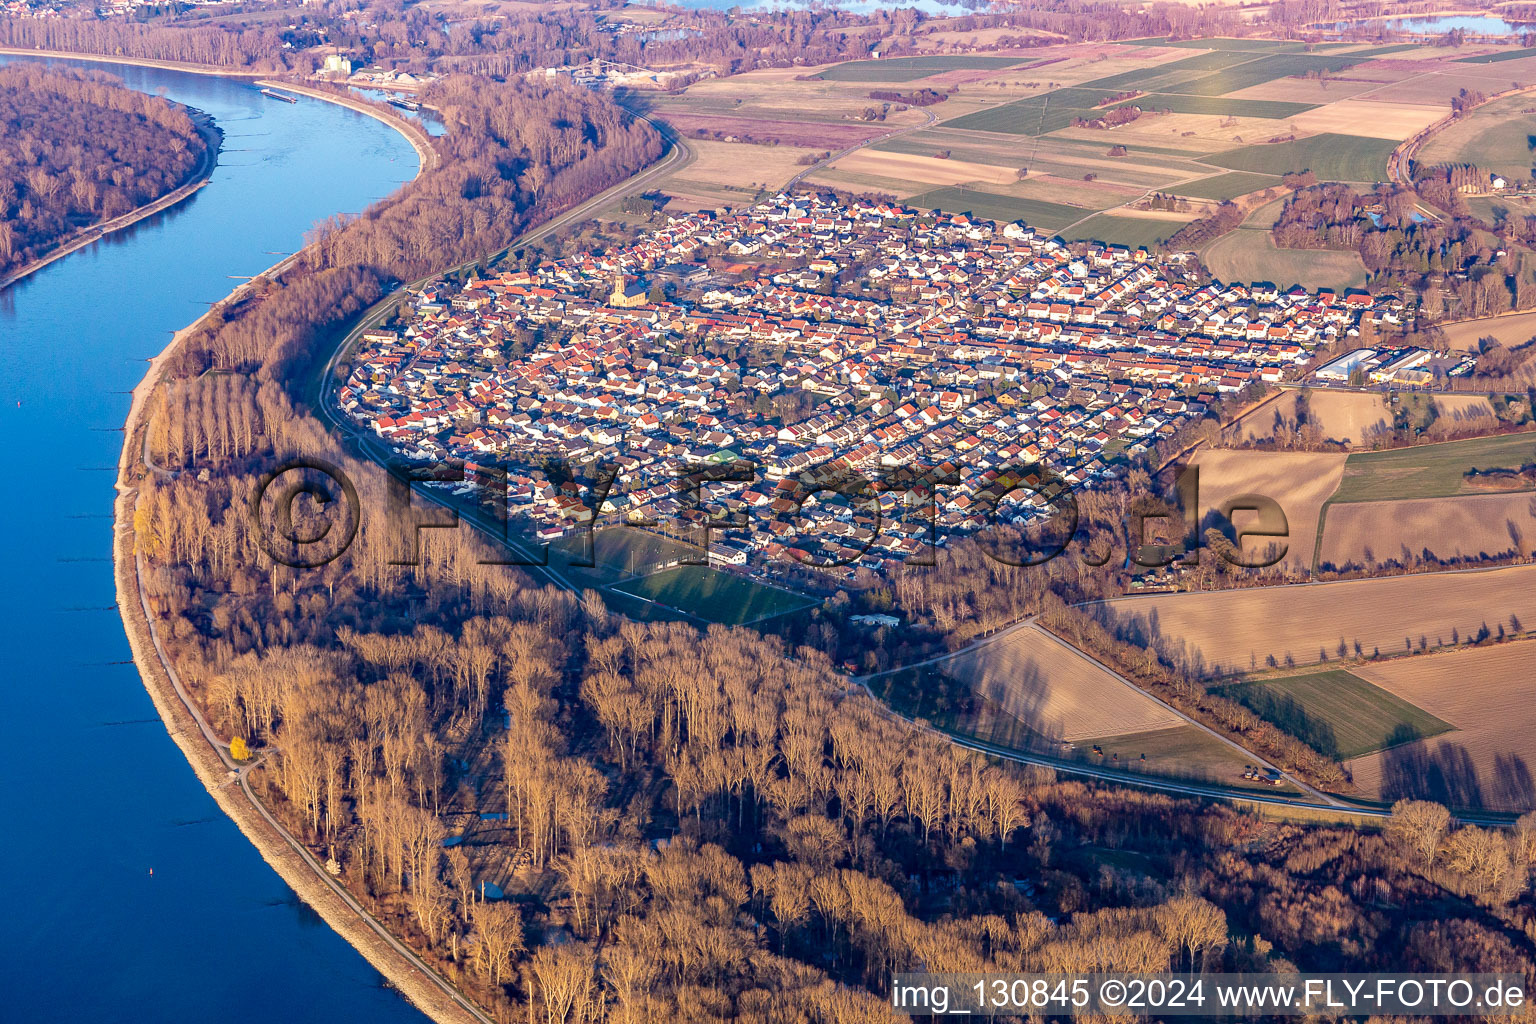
<point x="1249" y="255"/>
<point x="1120" y="229"/>
<point x="1220" y="187"/>
<point x="1354" y="418"/>
<point x="1266" y="69"/>
<point x="1501" y="56"/>
<point x="1238" y="631"/>
<point x="810" y="134"/>
<point x="910" y="69"/>
<point x="1497" y="137"/>
<point x="1487" y="694"/>
<point x="712" y="595"/>
<point x="1331" y="157"/>
<point x="998" y="207"/>
<point x="1443" y="529"/>
<point x="1299" y="482"/>
<point x="722" y="164"/>
<point x="1218" y="43"/>
<point x="1335" y="712"/>
<point x="1510" y="331"/>
<point x="1374" y="118"/>
<point x="1430" y="470"/>
<point x="1052" y="689"/>
<point x="921" y="171"/>
<point x="1217" y="106"/>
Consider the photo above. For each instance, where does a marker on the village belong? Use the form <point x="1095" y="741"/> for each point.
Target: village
<point x="813" y="337"/>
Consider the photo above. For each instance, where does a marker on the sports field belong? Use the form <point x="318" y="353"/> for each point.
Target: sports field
<point x="910" y="69"/>
<point x="1336" y="712"/>
<point x="1331" y="157"/>
<point x="1430" y="470"/>
<point x="712" y="595"/>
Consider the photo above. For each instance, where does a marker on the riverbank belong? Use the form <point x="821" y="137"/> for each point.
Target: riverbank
<point x="213" y="139"/>
<point x="138" y="62"/>
<point x="225" y="779"/>
<point x="417" y="136"/>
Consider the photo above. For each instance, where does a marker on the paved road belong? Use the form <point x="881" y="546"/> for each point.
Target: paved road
<point x="835" y="157"/>
<point x="1319" y="798"/>
<point x="679" y="155"/>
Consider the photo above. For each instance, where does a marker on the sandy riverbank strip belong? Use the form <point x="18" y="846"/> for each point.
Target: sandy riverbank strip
<point x="213" y="139"/>
<point x="207" y="754"/>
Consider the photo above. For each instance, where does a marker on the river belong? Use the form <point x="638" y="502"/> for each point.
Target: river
<point x="131" y="896"/>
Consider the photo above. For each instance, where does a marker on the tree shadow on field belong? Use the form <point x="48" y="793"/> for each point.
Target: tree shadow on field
<point x="1023" y="692"/>
<point x="1415" y="771"/>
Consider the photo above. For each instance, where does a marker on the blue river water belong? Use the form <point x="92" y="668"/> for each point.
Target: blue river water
<point x="130" y="897"/>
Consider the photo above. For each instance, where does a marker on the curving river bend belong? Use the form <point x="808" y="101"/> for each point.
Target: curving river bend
<point x="94" y="796"/>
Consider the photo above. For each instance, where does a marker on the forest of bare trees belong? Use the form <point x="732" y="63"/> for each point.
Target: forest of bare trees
<point x="587" y="818"/>
<point x="517" y="40"/>
<point x="77" y="148"/>
<point x="579" y="817"/>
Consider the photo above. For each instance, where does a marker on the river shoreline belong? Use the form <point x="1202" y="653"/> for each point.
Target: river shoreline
<point x="223" y="778"/>
<point x="213" y="140"/>
<point x="139" y="62"/>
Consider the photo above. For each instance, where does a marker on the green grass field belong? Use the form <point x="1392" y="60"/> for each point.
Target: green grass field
<point x="1331" y="157"/>
<point x="712" y="595"/>
<point x="1430" y="470"/>
<point x="1179" y="750"/>
<point x="1033" y="115"/>
<point x="1266" y="69"/>
<point x="1497" y="138"/>
<point x="619" y="553"/>
<point x="1162" y="76"/>
<point x="909" y="69"/>
<point x="1221" y="43"/>
<point x="1037" y="213"/>
<point x="1179" y="103"/>
<point x="1136" y="232"/>
<point x="1382" y="51"/>
<point x="1336" y="712"/>
<point x="1501" y="56"/>
<point x="1249" y="255"/>
<point x="1226" y="186"/>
